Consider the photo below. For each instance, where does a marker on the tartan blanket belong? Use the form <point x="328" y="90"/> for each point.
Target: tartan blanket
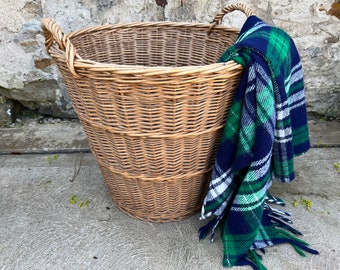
<point x="265" y="128"/>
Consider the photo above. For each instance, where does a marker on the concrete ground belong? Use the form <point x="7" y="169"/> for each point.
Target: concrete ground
<point x="45" y="168"/>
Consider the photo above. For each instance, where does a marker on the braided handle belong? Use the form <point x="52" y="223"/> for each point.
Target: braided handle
<point x="239" y="6"/>
<point x="53" y="32"/>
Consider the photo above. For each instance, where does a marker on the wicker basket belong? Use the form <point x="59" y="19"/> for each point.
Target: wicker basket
<point x="152" y="100"/>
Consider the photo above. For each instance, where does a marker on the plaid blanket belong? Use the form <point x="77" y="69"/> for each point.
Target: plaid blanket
<point x="265" y="128"/>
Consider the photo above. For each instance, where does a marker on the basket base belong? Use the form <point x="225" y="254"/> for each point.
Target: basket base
<point x="157" y="201"/>
<point x="159" y="217"/>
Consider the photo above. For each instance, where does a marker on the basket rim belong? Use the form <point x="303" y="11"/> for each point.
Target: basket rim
<point x="146" y="71"/>
<point x="156" y="70"/>
<point x="95" y="66"/>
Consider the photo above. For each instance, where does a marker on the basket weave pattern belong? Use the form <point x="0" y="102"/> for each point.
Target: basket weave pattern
<point x="152" y="101"/>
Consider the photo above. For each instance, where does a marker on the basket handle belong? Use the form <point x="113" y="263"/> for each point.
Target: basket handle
<point x="53" y="32"/>
<point x="228" y="9"/>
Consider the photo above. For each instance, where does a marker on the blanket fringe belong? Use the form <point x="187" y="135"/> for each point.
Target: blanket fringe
<point x="210" y="226"/>
<point x="282" y="232"/>
<point x="252" y="259"/>
<point x="276" y="226"/>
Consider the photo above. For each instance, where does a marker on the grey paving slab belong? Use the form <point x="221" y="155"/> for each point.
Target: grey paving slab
<point x="41" y="229"/>
<point x="324" y="133"/>
<point x="32" y="137"/>
<point x="68" y="136"/>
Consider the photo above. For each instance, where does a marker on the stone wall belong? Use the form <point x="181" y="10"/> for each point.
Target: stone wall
<point x="28" y="76"/>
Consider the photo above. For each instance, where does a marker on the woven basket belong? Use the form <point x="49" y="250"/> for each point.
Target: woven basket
<point x="152" y="100"/>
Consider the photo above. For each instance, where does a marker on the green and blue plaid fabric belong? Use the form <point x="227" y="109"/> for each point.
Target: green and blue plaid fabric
<point x="265" y="128"/>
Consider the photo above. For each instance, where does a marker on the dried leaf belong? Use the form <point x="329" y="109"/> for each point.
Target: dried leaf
<point x="74" y="199"/>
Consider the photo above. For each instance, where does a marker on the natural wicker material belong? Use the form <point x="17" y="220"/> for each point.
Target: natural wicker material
<point x="153" y="102"/>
